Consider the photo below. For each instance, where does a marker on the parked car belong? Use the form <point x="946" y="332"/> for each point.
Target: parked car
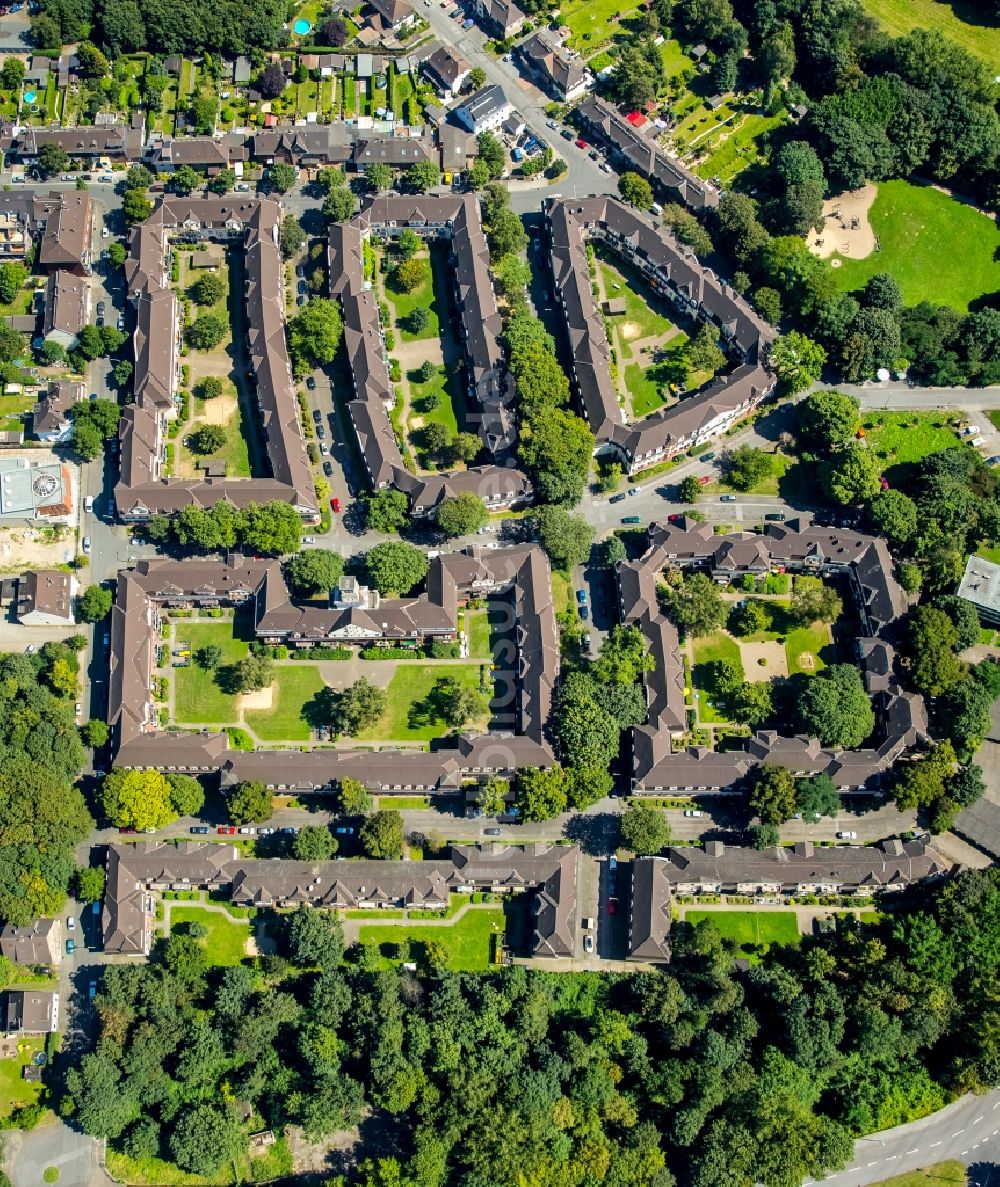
<point x="248" y="830"/>
<point x="552" y="124"/>
<point x="127" y="832"/>
<point x="70" y="923"/>
<point x="290" y="830"/>
<point x="121" y="321"/>
<point x="584" y="613"/>
<point x="320" y="432"/>
<point x="310" y="383"/>
<point x="324" y="449"/>
<point x="302" y="287"/>
<point x="776" y="516"/>
<point x="70" y="947"/>
<point x="335" y="505"/>
<point x="612" y="906"/>
<point x="107" y="638"/>
<point x="847" y="836"/>
<point x="704" y="479"/>
<point x="588" y="943"/>
<point x="85" y="544"/>
<point x="92" y="990"/>
<point x="308" y="539"/>
<point x="707" y="457"/>
<point x="693" y="812"/>
<point x="566" y="134"/>
<point x="199" y="830"/>
<point x="586" y="641"/>
<point x="328" y="469"/>
<point x="101" y="308"/>
<point x="617" y="499"/>
<point x="227" y="830"/>
<point x="728" y="499"/>
<point x="267" y="831"/>
<point x="633" y="491"/>
<point x="344" y="830"/>
<point x="581" y="596"/>
<point x="631" y="519"/>
<point x="79" y="709"/>
<point x="491" y="832"/>
<point x="581" y="143"/>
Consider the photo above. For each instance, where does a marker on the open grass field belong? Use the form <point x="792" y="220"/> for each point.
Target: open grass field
<point x="403" y="304"/>
<point x="478" y="626"/>
<point x="468" y="940"/>
<point x="751" y="928"/>
<point x="410" y="685"/>
<point x="594" y="22"/>
<point x="14" y="1090"/>
<point x="197" y="697"/>
<point x="813" y="642"/>
<point x="937" y="248"/>
<point x="963" y="21"/>
<point x="903" y="438"/>
<point x="226" y="941"/>
<point x="293" y="686"/>
<point x="941" y="1174"/>
<point x="710" y="649"/>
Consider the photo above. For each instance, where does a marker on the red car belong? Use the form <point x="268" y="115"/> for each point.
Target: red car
<point x="673" y="518"/>
<point x="227" y="830"/>
<point x="582" y="144"/>
<point x="335" y="504"/>
<point x="126" y="831"/>
<point x="612" y="906"/>
<point x="704" y="479"/>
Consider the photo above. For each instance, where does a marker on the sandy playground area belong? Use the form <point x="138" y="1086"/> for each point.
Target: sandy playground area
<point x="776" y="662"/>
<point x="846" y="229"/>
<point x="263" y="698"/>
<point x="217" y="411"/>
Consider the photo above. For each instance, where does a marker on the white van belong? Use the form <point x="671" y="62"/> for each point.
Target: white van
<point x="977" y="441"/>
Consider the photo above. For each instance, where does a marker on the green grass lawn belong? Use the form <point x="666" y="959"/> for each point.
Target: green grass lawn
<point x="403" y="304"/>
<point x="648" y="387"/>
<point x="442" y="413"/>
<point x="14" y="1089"/>
<point x="941" y="1174"/>
<point x="410" y="685"/>
<point x="637" y="307"/>
<point x="562" y="597"/>
<point x="726" y="158"/>
<point x="675" y="60"/>
<point x="468" y="940"/>
<point x="710" y="649"/>
<point x="814" y="641"/>
<point x="937" y="249"/>
<point x="294" y="685"/>
<point x="962" y="21"/>
<point x="781" y="463"/>
<point x="226" y="940"/>
<point x="197" y="696"/>
<point x="594" y="22"/>
<point x="235" y="452"/>
<point x="751" y="928"/>
<point x="478" y="625"/>
<point x="902" y="438"/>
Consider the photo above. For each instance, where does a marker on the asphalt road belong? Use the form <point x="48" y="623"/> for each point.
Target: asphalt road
<point x="968" y="1131"/>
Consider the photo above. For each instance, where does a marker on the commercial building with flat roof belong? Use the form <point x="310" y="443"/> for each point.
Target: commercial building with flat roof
<point x="980" y="585"/>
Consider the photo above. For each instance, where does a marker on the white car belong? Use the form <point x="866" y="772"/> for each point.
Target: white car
<point x="248" y="830"/>
<point x="105" y="232"/>
<point x="847" y="836"/>
<point x="308" y="539"/>
<point x="71" y="924"/>
<point x="693" y="812"/>
<point x="79" y="709"/>
<point x="588" y="943"/>
<point x="85" y="544"/>
<point x="88" y="503"/>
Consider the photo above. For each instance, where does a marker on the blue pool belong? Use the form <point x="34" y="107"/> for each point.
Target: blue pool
<point x="301" y="27"/>
<point x="29" y="96"/>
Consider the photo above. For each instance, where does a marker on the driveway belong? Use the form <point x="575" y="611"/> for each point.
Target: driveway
<point x="76" y="1157"/>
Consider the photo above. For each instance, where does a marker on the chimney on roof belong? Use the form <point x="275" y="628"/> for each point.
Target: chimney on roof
<point x="715" y="848"/>
<point x="803" y="849"/>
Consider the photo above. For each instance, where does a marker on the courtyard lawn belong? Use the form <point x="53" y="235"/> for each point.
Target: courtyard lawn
<point x="14" y="1089"/>
<point x="410" y="685"/>
<point x="293" y="686"/>
<point x="808" y="649"/>
<point x="562" y="598"/>
<point x="235" y="451"/>
<point x="478" y="624"/>
<point x="710" y="649"/>
<point x="197" y="696"/>
<point x="976" y="34"/>
<point x="468" y="940"/>
<point x="443" y="412"/>
<point x="903" y="438"/>
<point x="403" y="304"/>
<point x="937" y="249"/>
<point x="750" y="929"/>
<point x="594" y="22"/>
<point x="648" y="321"/>
<point x="226" y="940"/>
<point x="645" y="393"/>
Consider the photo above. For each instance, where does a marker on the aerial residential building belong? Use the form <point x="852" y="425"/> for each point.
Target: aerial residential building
<point x="560" y="73"/>
<point x="45" y="598"/>
<point x="50" y="418"/>
<point x="484" y="111"/>
<point x="31" y="1012"/>
<point x="67" y="308"/>
<point x="447" y="70"/>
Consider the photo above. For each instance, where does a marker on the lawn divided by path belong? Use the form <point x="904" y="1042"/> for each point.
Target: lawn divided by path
<point x="293" y="687"/>
<point x="468" y="940"/>
<point x="409" y="685"/>
<point x="198" y="697"/>
<point x="938" y="249"/>
<point x="751" y="927"/>
<point x="974" y="34"/>
<point x="226" y="941"/>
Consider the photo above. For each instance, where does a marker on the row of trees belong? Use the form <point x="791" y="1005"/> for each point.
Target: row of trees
<point x="688" y="1074"/>
<point x="273" y="527"/>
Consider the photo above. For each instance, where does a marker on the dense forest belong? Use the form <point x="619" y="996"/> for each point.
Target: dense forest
<point x="43" y="815"/>
<point x="696" y="1074"/>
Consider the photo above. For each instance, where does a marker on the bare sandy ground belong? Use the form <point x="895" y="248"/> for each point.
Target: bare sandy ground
<point x="774" y="653"/>
<point x="838" y="235"/>
<point x="217" y="411"/>
<point x="255" y="701"/>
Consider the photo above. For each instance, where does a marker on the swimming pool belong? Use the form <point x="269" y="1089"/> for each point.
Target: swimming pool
<point x="301" y="27"/>
<point x="29" y="96"/>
